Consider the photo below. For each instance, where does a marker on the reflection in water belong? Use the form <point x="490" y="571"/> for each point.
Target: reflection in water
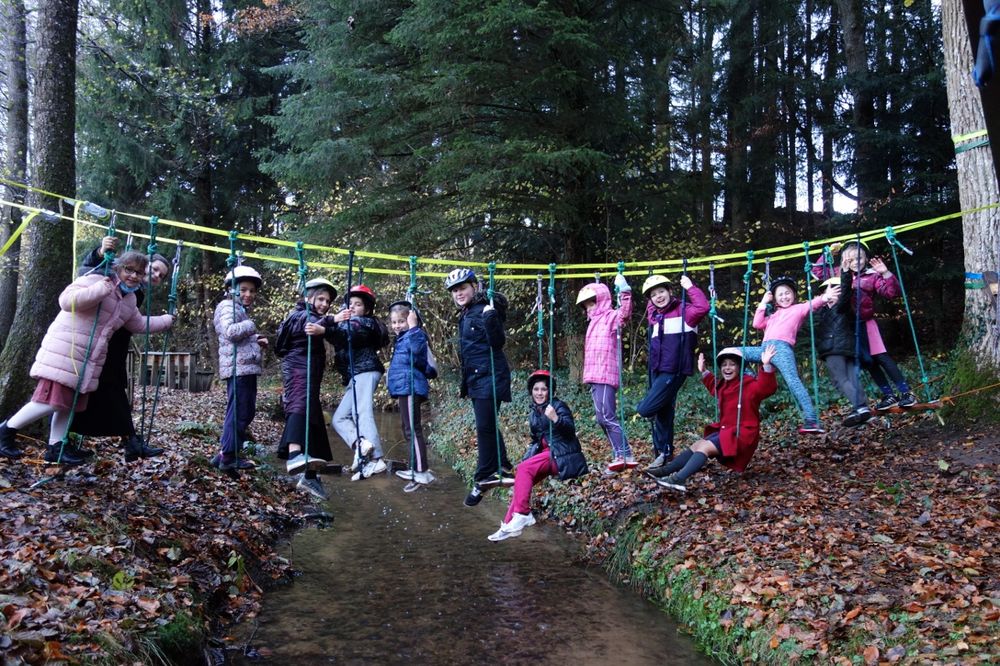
<point x="411" y="578"/>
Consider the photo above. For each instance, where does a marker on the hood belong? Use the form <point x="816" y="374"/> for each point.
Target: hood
<point x="602" y="300"/>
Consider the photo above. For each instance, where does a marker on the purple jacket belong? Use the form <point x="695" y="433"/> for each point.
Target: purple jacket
<point x="672" y="339"/>
<point x="600" y="347"/>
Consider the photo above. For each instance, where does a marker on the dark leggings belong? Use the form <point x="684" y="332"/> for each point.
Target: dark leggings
<point x="488" y="440"/>
<point x="882" y="365"/>
<point x="415" y="441"/>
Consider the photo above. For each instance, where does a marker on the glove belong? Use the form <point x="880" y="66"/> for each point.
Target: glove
<point x="621" y="283"/>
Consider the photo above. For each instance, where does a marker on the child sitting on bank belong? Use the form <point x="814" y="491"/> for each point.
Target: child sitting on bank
<point x="781" y="328"/>
<point x="601" y="363"/>
<point x="733" y="438"/>
<point x="836" y="345"/>
<point x="407" y="380"/>
<point x="358" y="338"/>
<point x="554" y="451"/>
<point x="73" y="352"/>
<point x="300" y="347"/>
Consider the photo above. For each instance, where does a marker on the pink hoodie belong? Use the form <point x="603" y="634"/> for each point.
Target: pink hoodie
<point x="600" y="347"/>
<point x="784" y="323"/>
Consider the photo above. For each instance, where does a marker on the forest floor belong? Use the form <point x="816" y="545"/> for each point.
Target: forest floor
<point x="877" y="545"/>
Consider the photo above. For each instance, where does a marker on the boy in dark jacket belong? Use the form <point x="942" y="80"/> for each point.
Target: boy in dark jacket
<point x="485" y="376"/>
<point x="553" y="437"/>
<point x="300" y="347"/>
<point x="837" y="344"/>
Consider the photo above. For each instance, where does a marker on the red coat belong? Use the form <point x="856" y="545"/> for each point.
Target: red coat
<point x="737" y="451"/>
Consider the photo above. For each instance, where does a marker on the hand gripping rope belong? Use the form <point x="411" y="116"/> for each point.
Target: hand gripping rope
<point x="747" y="278"/>
<point x="807" y="269"/>
<point x="890" y="235"/>
<point x="303" y="267"/>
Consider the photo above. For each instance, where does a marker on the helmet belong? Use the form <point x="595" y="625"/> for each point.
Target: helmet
<point x="855" y="242"/>
<point x="654" y="281"/>
<point x="545" y="375"/>
<point x="586" y="294"/>
<point x="786" y="280"/>
<point x="365" y="294"/>
<point x="322" y="283"/>
<point x="244" y="273"/>
<point x="458" y="276"/>
<point x="831" y="282"/>
<point x="734" y="353"/>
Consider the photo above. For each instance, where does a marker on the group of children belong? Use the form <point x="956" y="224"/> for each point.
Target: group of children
<point x="842" y="313"/>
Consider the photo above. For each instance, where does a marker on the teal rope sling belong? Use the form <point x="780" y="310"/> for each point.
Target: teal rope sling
<point x="747" y="278"/>
<point x="807" y="268"/>
<point x="303" y="267"/>
<point x="890" y="235"/>
<point x="171" y="309"/>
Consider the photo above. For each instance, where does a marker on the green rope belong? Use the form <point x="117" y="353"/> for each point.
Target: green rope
<point x="150" y="251"/>
<point x="303" y="268"/>
<point x="171" y="309"/>
<point x="231" y="263"/>
<point x="540" y="333"/>
<point x="411" y="407"/>
<point x="552" y="344"/>
<point x="890" y="234"/>
<point x="713" y="314"/>
<point x="493" y="373"/>
<point x="812" y="325"/>
<point x="747" y="277"/>
<point x="619" y="392"/>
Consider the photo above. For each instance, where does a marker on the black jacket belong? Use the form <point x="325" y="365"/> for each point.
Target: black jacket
<point x="292" y="347"/>
<point x="835" y="326"/>
<point x="478" y="333"/>
<point x="367" y="336"/>
<point x="564" y="447"/>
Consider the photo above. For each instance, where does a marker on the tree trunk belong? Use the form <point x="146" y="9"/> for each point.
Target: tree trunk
<point x="17" y="156"/>
<point x="47" y="253"/>
<point x="977" y="186"/>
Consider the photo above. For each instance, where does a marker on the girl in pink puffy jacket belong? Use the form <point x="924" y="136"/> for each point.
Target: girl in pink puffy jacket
<point x="70" y="360"/>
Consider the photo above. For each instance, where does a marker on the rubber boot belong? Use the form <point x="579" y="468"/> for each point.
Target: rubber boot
<point x="8" y="442"/>
<point x="52" y="452"/>
<point x="135" y="448"/>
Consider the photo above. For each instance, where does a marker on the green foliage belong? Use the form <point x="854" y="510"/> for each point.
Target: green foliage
<point x="962" y="375"/>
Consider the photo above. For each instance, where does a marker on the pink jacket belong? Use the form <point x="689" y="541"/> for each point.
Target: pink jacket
<point x="784" y="323"/>
<point x="64" y="347"/>
<point x="600" y="347"/>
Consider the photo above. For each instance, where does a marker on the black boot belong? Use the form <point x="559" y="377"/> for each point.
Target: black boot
<point x="135" y="448"/>
<point x="79" y="451"/>
<point x="52" y="455"/>
<point x="8" y="442"/>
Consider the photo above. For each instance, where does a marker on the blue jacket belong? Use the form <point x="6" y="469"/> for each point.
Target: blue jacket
<point x="478" y="333"/>
<point x="564" y="447"/>
<point x="411" y="343"/>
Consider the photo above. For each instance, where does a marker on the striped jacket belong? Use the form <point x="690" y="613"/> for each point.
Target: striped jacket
<point x="672" y="338"/>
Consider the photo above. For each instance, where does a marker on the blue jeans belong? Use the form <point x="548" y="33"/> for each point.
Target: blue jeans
<point x="659" y="405"/>
<point x="784" y="361"/>
<point x="240" y="410"/>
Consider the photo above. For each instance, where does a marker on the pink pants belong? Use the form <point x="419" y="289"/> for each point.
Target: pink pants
<point x="529" y="472"/>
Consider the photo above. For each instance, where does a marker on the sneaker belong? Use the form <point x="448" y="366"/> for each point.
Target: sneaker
<point x="312" y="486"/>
<point x="659" y="461"/>
<point x="857" y="417"/>
<point x="615" y="466"/>
<point x="424" y="478"/>
<point x="504" y="533"/>
<point x="474" y="497"/>
<point x="519" y="521"/>
<point x="657" y="472"/>
<point x="298" y="464"/>
<point x="907" y="399"/>
<point x="411" y="486"/>
<point x="811" y="428"/>
<point x="373" y="467"/>
<point x="673" y="483"/>
<point x="631" y="462"/>
<point x="887" y="403"/>
<point x="365" y="447"/>
<point x="406" y="474"/>
<point x="227" y="463"/>
<point x="216" y="461"/>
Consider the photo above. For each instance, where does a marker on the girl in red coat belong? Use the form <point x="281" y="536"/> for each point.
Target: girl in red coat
<point x="721" y="440"/>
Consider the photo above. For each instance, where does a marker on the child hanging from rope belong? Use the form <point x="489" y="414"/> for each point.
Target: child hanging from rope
<point x="240" y="358"/>
<point x="834" y="325"/>
<point x="781" y="327"/>
<point x="74" y="349"/>
<point x="870" y="276"/>
<point x="554" y="451"/>
<point x="485" y="376"/>
<point x="302" y="366"/>
<point x="358" y="338"/>
<point x="673" y="335"/>
<point x="733" y="438"/>
<point x="407" y="379"/>
<point x="601" y="370"/>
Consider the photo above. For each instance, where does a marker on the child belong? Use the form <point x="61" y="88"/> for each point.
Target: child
<point x="240" y="357"/>
<point x="854" y="258"/>
<point x="407" y="381"/>
<point x="721" y="439"/>
<point x="300" y="366"/>
<point x="835" y="344"/>
<point x="358" y="337"/>
<point x="485" y="376"/>
<point x="557" y="453"/>
<point x="73" y="344"/>
<point x="780" y="330"/>
<point x="600" y="363"/>
<point x="673" y="334"/>
<point x="109" y="411"/>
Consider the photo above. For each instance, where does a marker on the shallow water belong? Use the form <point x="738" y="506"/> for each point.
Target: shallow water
<point x="411" y="578"/>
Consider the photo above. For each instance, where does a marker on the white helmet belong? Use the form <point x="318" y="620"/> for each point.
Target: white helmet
<point x="585" y="294"/>
<point x="244" y="273"/>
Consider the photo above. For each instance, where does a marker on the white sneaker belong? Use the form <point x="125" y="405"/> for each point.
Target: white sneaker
<point x="406" y="474"/>
<point x="504" y="533"/>
<point x="373" y="467"/>
<point x="659" y="461"/>
<point x="365" y="446"/>
<point x="298" y="464"/>
<point x="519" y="521"/>
<point x="424" y="477"/>
<point x="356" y="463"/>
<point x="412" y="486"/>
